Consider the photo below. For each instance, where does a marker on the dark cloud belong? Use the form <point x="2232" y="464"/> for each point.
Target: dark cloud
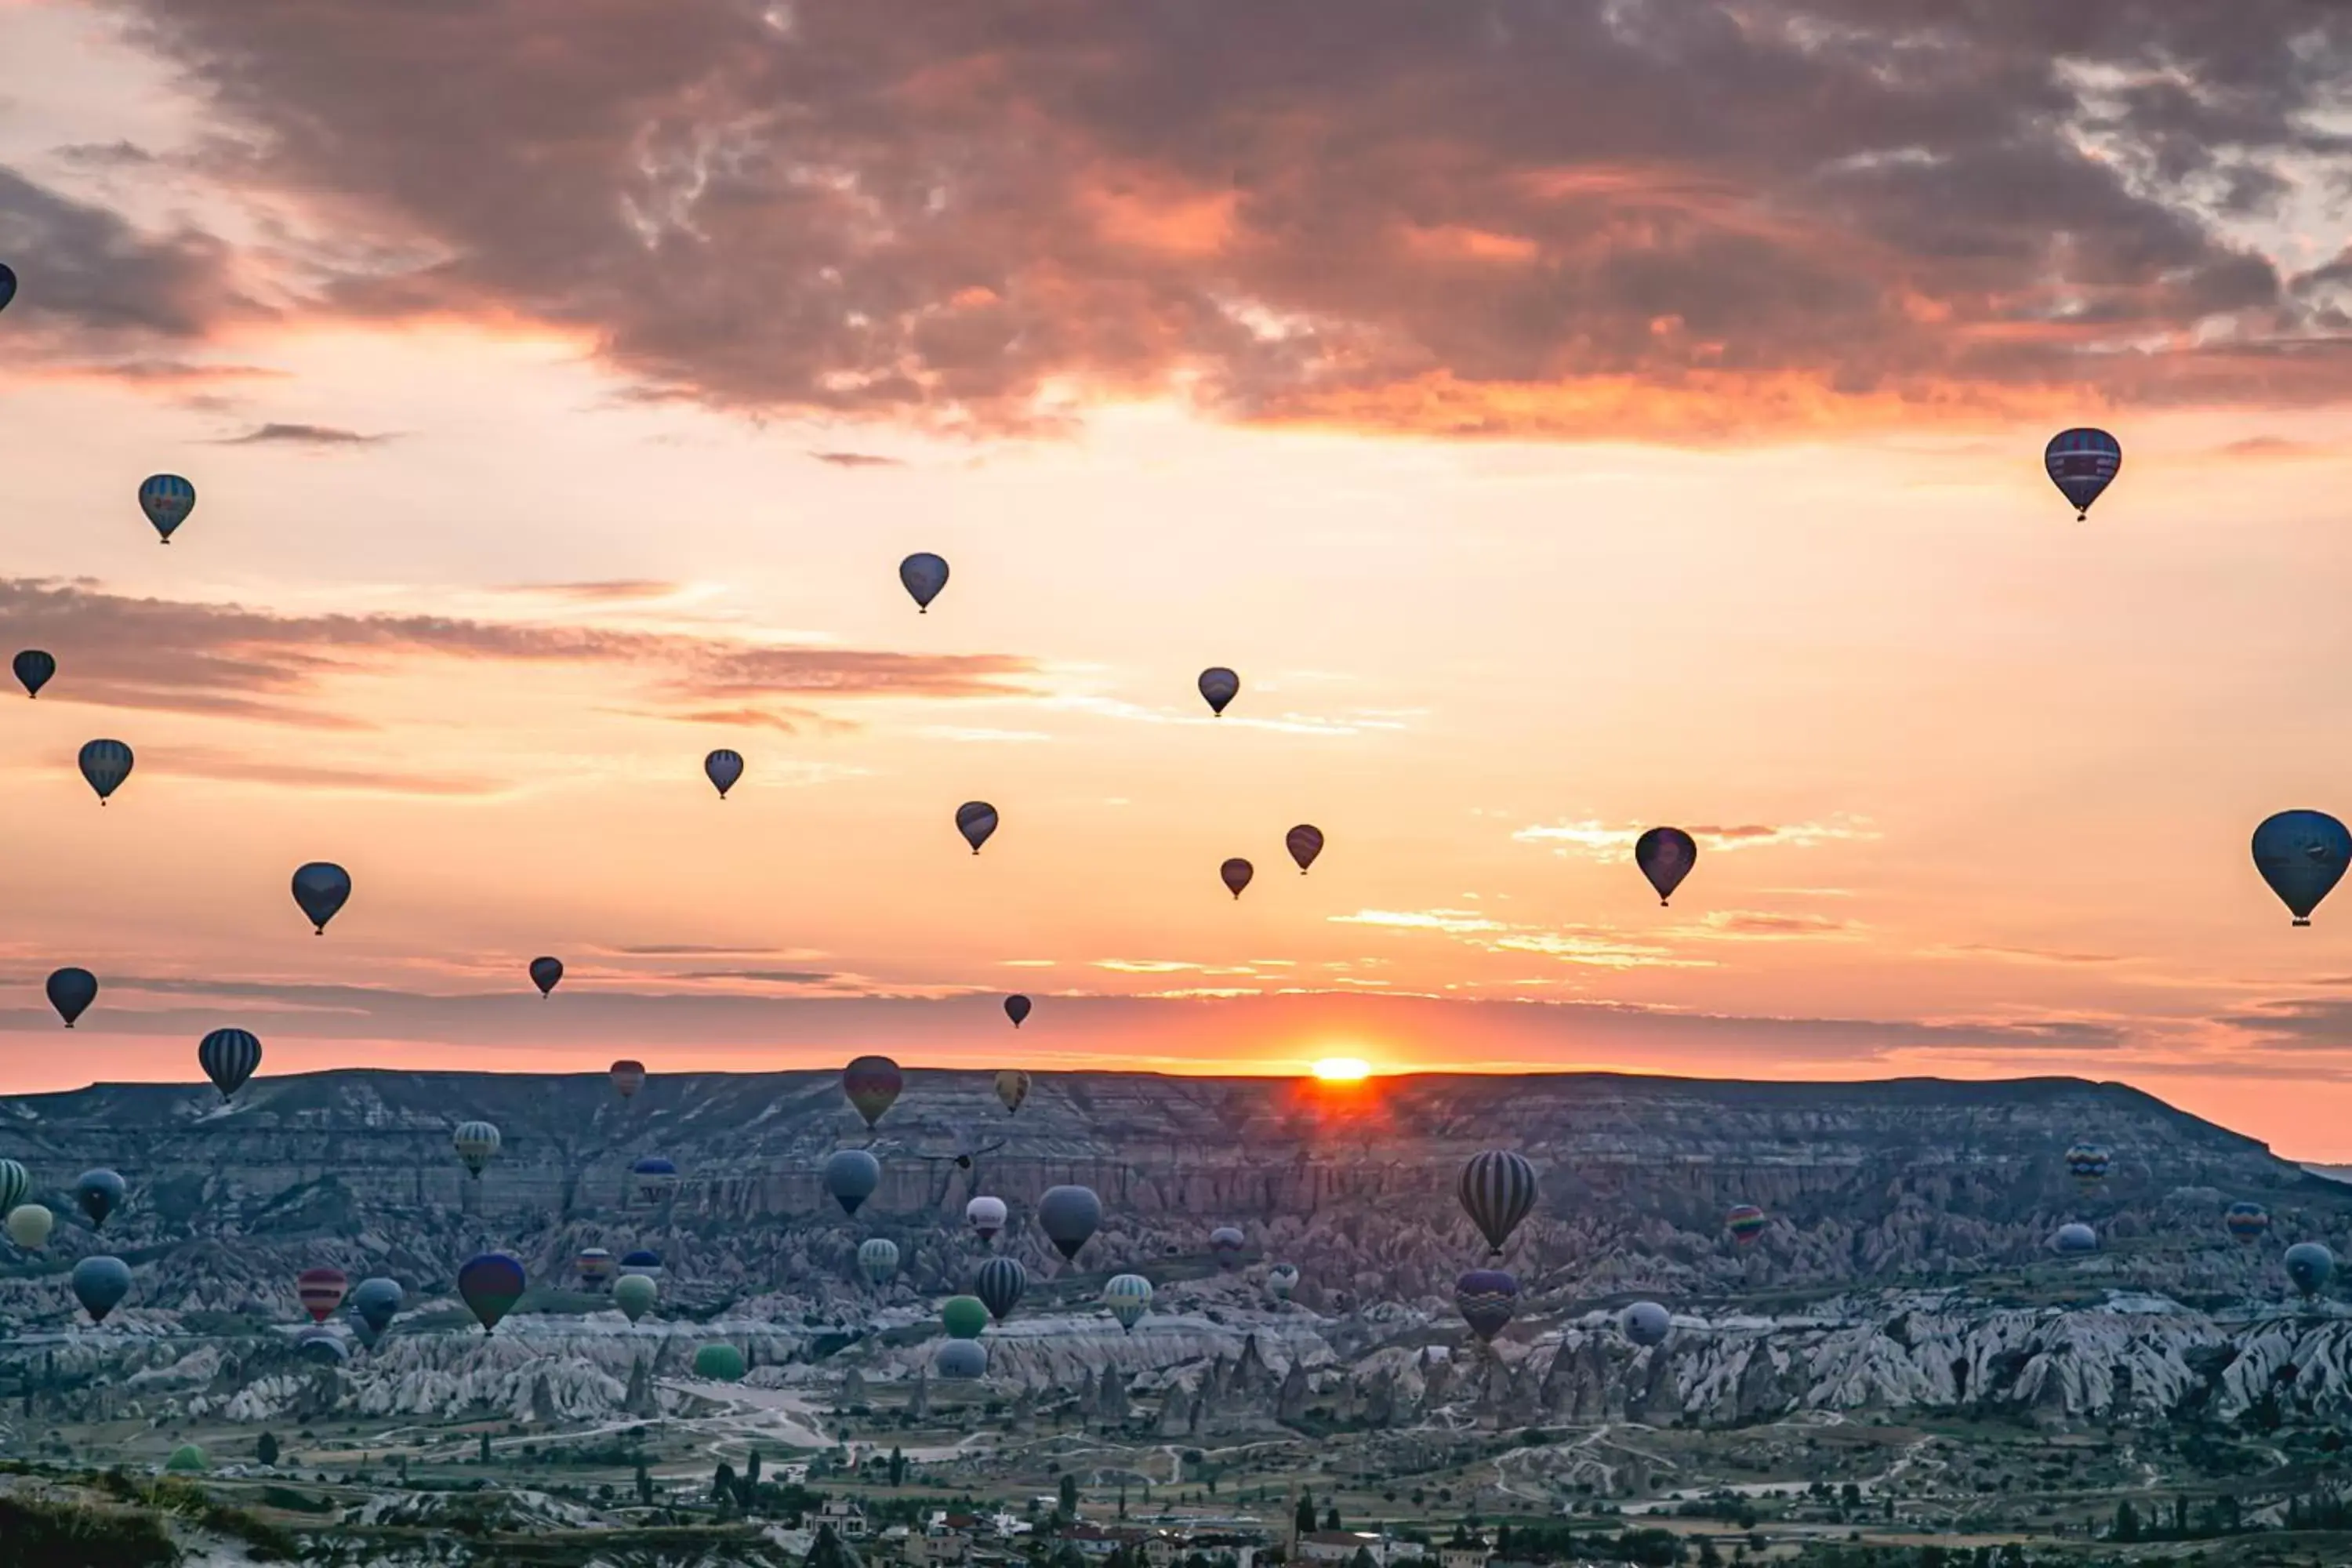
<point x="121" y="154"/>
<point x="276" y="434"/>
<point x="2296" y="1023"/>
<point x="91" y="284"/>
<point x="226" y="659"/>
<point x="1566" y="216"/>
<point x="856" y="460"/>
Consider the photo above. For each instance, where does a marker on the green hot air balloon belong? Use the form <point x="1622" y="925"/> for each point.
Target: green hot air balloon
<point x="634" y="1294"/>
<point x="963" y="1317"/>
<point x="1129" y="1297"/>
<point x="187" y="1457"/>
<point x="719" y="1363"/>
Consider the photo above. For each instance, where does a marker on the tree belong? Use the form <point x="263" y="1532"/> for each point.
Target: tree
<point x="645" y="1486"/>
<point x="1363" y="1559"/>
<point x="1331" y="1517"/>
<point x="752" y="1468"/>
<point x="2126" y="1521"/>
<point x="1303" y="1520"/>
<point x="897" y="1466"/>
<point x="1069" y="1496"/>
<point x="1849" y="1496"/>
<point x="723" y="1484"/>
<point x="266" y="1450"/>
<point x="486" y="1447"/>
<point x="826" y="1551"/>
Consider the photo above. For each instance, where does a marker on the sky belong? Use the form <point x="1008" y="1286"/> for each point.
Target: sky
<point x="1567" y="415"/>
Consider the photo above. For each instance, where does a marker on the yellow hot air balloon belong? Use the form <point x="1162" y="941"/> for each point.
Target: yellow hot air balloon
<point x="29" y="1226"/>
<point x="1013" y="1087"/>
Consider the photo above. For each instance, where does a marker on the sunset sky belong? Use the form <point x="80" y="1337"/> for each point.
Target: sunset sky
<point x="1567" y="418"/>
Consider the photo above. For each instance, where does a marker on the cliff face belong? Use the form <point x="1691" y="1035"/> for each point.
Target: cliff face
<point x="1874" y="1190"/>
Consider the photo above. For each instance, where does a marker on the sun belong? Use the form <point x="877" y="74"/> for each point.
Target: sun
<point x="1342" y="1069"/>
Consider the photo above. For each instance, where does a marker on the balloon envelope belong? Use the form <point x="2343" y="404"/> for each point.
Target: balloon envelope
<point x="1017" y="1009"/>
<point x="320" y="1291"/>
<point x="628" y="1076"/>
<point x="99" y="1284"/>
<point x="16" y="1184"/>
<point x="2075" y="1237"/>
<point x="648" y="1263"/>
<point x="1305" y="842"/>
<point x="476" y="1141"/>
<point x="1226" y="1242"/>
<point x="872" y="1084"/>
<point x="321" y="889"/>
<point x="1487" y="1299"/>
<point x="545" y="973"/>
<point x="1012" y="1088"/>
<point x="72" y="991"/>
<point x="167" y="499"/>
<point x="723" y="768"/>
<point x="878" y="1260"/>
<point x="1235" y="874"/>
<point x="1497" y="1189"/>
<point x="1666" y="856"/>
<point x="1129" y="1297"/>
<point x="2088" y="1161"/>
<point x="2082" y="463"/>
<point x="320" y="1348"/>
<point x="2247" y="1221"/>
<point x="923" y="575"/>
<point x="2302" y="855"/>
<point x="99" y="1193"/>
<point x="986" y="1216"/>
<point x="228" y="1058"/>
<point x="33" y="668"/>
<point x="1000" y="1284"/>
<point x="104" y="765"/>
<point x="1745" y="1222"/>
<point x="491" y="1285"/>
<point x="634" y="1294"/>
<point x="376" y="1302"/>
<point x="720" y="1363"/>
<point x="1281" y="1280"/>
<point x="1219" y="686"/>
<point x="1647" y="1323"/>
<point x="1069" y="1215"/>
<point x="7" y="284"/>
<point x="961" y="1361"/>
<point x="595" y="1266"/>
<point x="975" y="819"/>
<point x="2310" y="1265"/>
<point x="656" y="1178"/>
<point x="963" y="1317"/>
<point x="29" y="1226"/>
<point x="850" y="1175"/>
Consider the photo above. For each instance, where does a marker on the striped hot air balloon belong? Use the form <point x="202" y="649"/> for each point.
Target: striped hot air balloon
<point x="1497" y="1189"/>
<point x="877" y="1259"/>
<point x="595" y="1266"/>
<point x="2088" y="1162"/>
<point x="1745" y="1223"/>
<point x="167" y="499"/>
<point x="656" y="1178"/>
<point x="320" y="1291"/>
<point x="33" y="669"/>
<point x="1000" y="1284"/>
<point x="230" y="1058"/>
<point x="1129" y="1297"/>
<point x="104" y="765"/>
<point x="723" y="768"/>
<point x="628" y="1076"/>
<point x="1305" y="842"/>
<point x="16" y="1184"/>
<point x="476" y="1142"/>
<point x="2247" y="1222"/>
<point x="1487" y="1297"/>
<point x="2083" y="463"/>
<point x="1219" y="686"/>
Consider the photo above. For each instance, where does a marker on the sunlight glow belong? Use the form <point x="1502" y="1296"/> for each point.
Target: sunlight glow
<point x="1341" y="1070"/>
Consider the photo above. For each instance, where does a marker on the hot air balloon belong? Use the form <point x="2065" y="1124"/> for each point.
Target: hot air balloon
<point x="879" y="1260"/>
<point x="2310" y="1265"/>
<point x="7" y="284"/>
<point x="2088" y="1162"/>
<point x="719" y="1363"/>
<point x="634" y="1294"/>
<point x="321" y="889"/>
<point x="491" y="1283"/>
<point x="723" y="768"/>
<point x="1497" y="1189"/>
<point x="1012" y="1088"/>
<point x="986" y="1216"/>
<point x="167" y="499"/>
<point x="2302" y="855"/>
<point x="228" y="1058"/>
<point x="105" y="764"/>
<point x="2247" y="1222"/>
<point x="545" y="973"/>
<point x="29" y="1226"/>
<point x="1305" y="842"/>
<point x="72" y="991"/>
<point x="1219" y="686"/>
<point x="2082" y="463"/>
<point x="1226" y="1242"/>
<point x="99" y="1193"/>
<point x="33" y="669"/>
<point x="1069" y="1216"/>
<point x="975" y="819"/>
<point x="16" y="1184"/>
<point x="628" y="1076"/>
<point x="187" y="1457"/>
<point x="1486" y="1298"/>
<point x="320" y="1291"/>
<point x="1017" y="1009"/>
<point x="1235" y="874"/>
<point x="1281" y="1280"/>
<point x="923" y="575"/>
<point x="320" y="1347"/>
<point x="648" y="1263"/>
<point x="376" y="1302"/>
<point x="1129" y="1297"/>
<point x="1000" y="1284"/>
<point x="1745" y="1223"/>
<point x="872" y="1084"/>
<point x="850" y="1175"/>
<point x="656" y="1178"/>
<point x="1666" y="856"/>
<point x="476" y="1141"/>
<point x="1646" y="1323"/>
<point x="2074" y="1238"/>
<point x="595" y="1266"/>
<point x="99" y="1284"/>
<point x="961" y="1361"/>
<point x="963" y="1317"/>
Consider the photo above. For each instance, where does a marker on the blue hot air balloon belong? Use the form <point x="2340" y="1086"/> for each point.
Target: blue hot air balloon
<point x="320" y="888"/>
<point x="228" y="1058"/>
<point x="72" y="991"/>
<point x="2310" y="1265"/>
<point x="722" y="768"/>
<point x="961" y="1361"/>
<point x="850" y="1175"/>
<point x="1666" y="856"/>
<point x="2082" y="464"/>
<point x="2302" y="855"/>
<point x="1017" y="1009"/>
<point x="1646" y="1324"/>
<point x="2075" y="1239"/>
<point x="7" y="284"/>
<point x="105" y="764"/>
<point x="648" y="1263"/>
<point x="924" y="576"/>
<point x="1219" y="686"/>
<point x="545" y="973"/>
<point x="975" y="819"/>
<point x="376" y="1302"/>
<point x="99" y="1284"/>
<point x="33" y="669"/>
<point x="320" y="1347"/>
<point x="1497" y="1189"/>
<point x="1069" y="1215"/>
<point x="167" y="499"/>
<point x="1485" y="1298"/>
<point x="656" y="1178"/>
<point x="99" y="1193"/>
